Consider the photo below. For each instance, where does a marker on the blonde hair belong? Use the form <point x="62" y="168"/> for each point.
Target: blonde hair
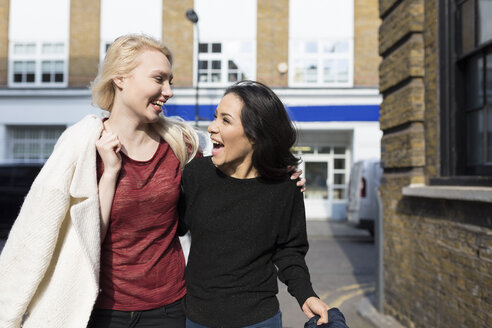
<point x="120" y="60"/>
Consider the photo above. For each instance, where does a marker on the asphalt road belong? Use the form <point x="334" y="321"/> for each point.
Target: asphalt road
<point x="342" y="263"/>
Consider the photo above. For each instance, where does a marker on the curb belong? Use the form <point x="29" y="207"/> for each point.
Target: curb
<point x="369" y="312"/>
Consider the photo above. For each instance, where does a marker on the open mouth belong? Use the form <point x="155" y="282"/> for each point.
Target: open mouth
<point x="157" y="104"/>
<point x="217" y="147"/>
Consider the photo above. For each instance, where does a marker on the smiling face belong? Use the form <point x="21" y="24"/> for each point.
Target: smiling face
<point x="143" y="92"/>
<point x="232" y="151"/>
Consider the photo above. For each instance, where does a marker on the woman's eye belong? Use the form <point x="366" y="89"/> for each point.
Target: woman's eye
<point x="158" y="78"/>
<point x="226" y="120"/>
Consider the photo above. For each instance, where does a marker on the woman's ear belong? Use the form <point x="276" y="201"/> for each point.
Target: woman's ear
<point x="118" y="81"/>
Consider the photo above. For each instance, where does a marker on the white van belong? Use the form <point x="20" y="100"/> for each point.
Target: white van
<point x="362" y="202"/>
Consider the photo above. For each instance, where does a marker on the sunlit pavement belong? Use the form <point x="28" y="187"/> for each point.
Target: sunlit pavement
<point x="342" y="262"/>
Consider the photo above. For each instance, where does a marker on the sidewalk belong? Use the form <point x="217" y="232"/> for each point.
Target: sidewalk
<point x="341" y="229"/>
<point x="335" y="229"/>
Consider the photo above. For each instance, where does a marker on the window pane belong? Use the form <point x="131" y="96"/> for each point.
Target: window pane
<point x="329" y="71"/>
<point x="59" y="48"/>
<point x="17" y="77"/>
<point x="18" y="66"/>
<point x="489" y="135"/>
<point x="474" y="137"/>
<point x="339" y="150"/>
<point x="30" y="77"/>
<point x="488" y="78"/>
<point x="30" y="49"/>
<point x="203" y="47"/>
<point x="298" y="74"/>
<point x="341" y="47"/>
<point x="339" y="178"/>
<point x="233" y="77"/>
<point x="203" y="64"/>
<point x="46" y="77"/>
<point x="473" y="83"/>
<point x="467" y="26"/>
<point x="232" y="65"/>
<point x="59" y="77"/>
<point x="324" y="150"/>
<point x="342" y="65"/>
<point x="216" y="64"/>
<point x="46" y="66"/>
<point x="339" y="163"/>
<point x="59" y="66"/>
<point x="303" y="149"/>
<point x="47" y="48"/>
<point x="484" y="21"/>
<point x="203" y="77"/>
<point x="338" y="193"/>
<point x="30" y="66"/>
<point x="329" y="47"/>
<point x="311" y="72"/>
<point x="18" y="48"/>
<point x="311" y="47"/>
<point x="216" y="47"/>
<point x="316" y="177"/>
<point x="215" y="77"/>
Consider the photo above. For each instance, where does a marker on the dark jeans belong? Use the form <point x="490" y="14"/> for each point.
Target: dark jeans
<point x="273" y="322"/>
<point x="168" y="316"/>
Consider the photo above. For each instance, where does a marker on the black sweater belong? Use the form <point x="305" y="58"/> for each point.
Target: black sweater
<point x="242" y="231"/>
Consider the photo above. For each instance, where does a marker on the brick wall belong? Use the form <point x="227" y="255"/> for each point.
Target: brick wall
<point x="366" y="57"/>
<point x="272" y="41"/>
<point x="4" y="41"/>
<point x="437" y="253"/>
<point x="177" y="34"/>
<point x="85" y="24"/>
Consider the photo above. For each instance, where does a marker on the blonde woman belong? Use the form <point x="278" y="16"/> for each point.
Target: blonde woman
<point x="98" y="227"/>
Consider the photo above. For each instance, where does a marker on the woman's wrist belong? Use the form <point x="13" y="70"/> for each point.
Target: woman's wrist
<point x="110" y="174"/>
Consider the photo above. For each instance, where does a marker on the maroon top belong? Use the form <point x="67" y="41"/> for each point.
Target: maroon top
<point x="142" y="263"/>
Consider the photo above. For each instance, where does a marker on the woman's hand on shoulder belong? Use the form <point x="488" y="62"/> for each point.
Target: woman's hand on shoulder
<point x="314" y="306"/>
<point x="108" y="146"/>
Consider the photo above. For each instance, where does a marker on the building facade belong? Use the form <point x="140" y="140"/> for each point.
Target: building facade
<point x="436" y="82"/>
<point x="319" y="56"/>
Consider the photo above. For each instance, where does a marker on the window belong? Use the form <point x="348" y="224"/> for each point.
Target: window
<point x="466" y="92"/>
<point x="31" y="143"/>
<point x="325" y="169"/>
<point x="38" y="64"/>
<point x="323" y="63"/>
<point x="321" y="54"/>
<point x="223" y="63"/>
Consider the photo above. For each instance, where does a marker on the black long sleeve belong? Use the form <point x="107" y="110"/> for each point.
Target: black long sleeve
<point x="243" y="231"/>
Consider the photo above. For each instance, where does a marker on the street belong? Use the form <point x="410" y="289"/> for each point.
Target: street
<point x="342" y="263"/>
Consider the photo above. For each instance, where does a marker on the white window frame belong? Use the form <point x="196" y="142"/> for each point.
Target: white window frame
<point x="38" y="57"/>
<point x="47" y="137"/>
<point x="312" y="154"/>
<point x="319" y="58"/>
<point x="224" y="57"/>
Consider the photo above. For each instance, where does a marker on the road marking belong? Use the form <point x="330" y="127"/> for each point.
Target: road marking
<point x="346" y="288"/>
<point x="340" y="300"/>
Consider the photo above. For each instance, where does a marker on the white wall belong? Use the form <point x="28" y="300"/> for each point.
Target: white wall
<point x="34" y="20"/>
<point x="318" y="19"/>
<point x="226" y="19"/>
<point x="120" y="17"/>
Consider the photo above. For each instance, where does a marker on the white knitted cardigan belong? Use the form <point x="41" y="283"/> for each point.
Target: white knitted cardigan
<point x="49" y="266"/>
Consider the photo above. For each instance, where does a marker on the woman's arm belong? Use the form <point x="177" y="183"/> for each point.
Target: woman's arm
<point x="108" y="146"/>
<point x="290" y="261"/>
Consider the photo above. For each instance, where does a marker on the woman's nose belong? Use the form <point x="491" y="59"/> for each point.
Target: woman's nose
<point x="166" y="91"/>
<point x="211" y="127"/>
